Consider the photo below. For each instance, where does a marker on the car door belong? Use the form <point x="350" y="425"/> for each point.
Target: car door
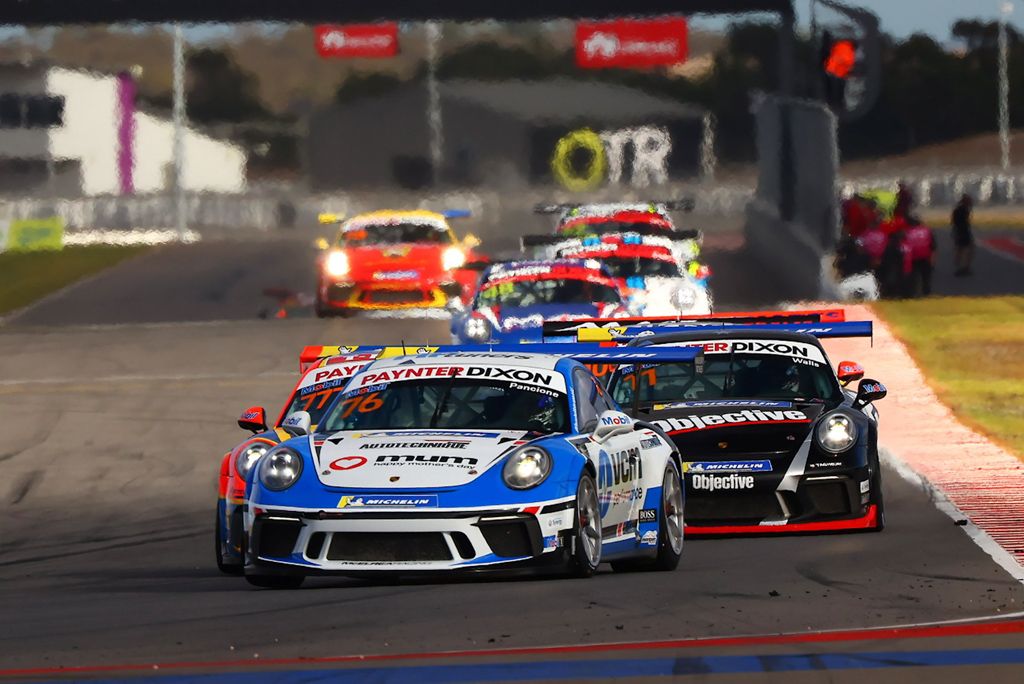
<point x="618" y="461"/>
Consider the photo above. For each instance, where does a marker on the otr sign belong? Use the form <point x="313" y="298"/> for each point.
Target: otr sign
<point x="604" y="153"/>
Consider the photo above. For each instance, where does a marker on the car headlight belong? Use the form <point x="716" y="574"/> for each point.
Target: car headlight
<point x="453" y="258"/>
<point x="247" y="459"/>
<point x="478" y="329"/>
<point x="280" y="468"/>
<point x="836" y="432"/>
<point x="685" y="297"/>
<point x="336" y="264"/>
<point x="526" y="468"/>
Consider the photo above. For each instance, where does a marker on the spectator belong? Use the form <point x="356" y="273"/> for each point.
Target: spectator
<point x="904" y="201"/>
<point x="919" y="248"/>
<point x="963" y="238"/>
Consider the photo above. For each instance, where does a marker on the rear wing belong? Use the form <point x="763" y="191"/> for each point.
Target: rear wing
<point x="584" y="353"/>
<point x="547" y="240"/>
<point x="569" y="328"/>
<point x="329" y="217"/>
<point x="311" y="355"/>
<point x="622" y="335"/>
<point x="683" y="204"/>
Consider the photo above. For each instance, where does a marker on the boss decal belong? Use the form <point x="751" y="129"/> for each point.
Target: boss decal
<point x="648" y="515"/>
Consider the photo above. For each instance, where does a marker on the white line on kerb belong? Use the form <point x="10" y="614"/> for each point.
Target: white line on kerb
<point x="111" y="379"/>
<point x="942" y="502"/>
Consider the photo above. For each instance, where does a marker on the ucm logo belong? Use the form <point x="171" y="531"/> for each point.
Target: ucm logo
<point x="583" y="159"/>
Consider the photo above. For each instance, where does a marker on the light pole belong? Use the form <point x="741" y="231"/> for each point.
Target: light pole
<point x="178" y="117"/>
<point x="1004" y="88"/>
<point x="434" y="121"/>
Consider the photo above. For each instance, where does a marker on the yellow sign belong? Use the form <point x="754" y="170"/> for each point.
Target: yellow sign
<point x="32" y="234"/>
<point x="562" y="166"/>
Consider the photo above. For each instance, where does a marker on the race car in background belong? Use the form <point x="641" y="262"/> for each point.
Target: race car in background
<point x="771" y="441"/>
<point x="324" y="372"/>
<point x="470" y="459"/>
<point x="648" y="269"/>
<point x="645" y="219"/>
<point x="515" y="298"/>
<point x="394" y="260"/>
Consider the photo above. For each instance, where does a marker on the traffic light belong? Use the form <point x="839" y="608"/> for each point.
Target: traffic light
<point x="838" y="64"/>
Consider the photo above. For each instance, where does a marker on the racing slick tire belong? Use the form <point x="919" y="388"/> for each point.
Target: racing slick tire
<point x="670" y="529"/>
<point x="586" y="541"/>
<point x="218" y="546"/>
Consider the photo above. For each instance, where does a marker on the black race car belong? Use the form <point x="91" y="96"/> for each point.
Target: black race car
<point x="771" y="441"/>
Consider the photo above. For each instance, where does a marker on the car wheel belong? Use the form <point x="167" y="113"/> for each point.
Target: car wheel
<point x="218" y="549"/>
<point x="586" y="554"/>
<point x="275" y="581"/>
<point x="671" y="524"/>
<point x="670" y="529"/>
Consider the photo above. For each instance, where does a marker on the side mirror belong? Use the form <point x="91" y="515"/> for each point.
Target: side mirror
<point x="253" y="418"/>
<point x="470" y="241"/>
<point x="611" y="423"/>
<point x="297" y="424"/>
<point x="849" y="371"/>
<point x="867" y="392"/>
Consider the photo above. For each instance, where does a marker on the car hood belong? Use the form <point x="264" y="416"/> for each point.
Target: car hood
<point x="425" y="259"/>
<point x="731" y="427"/>
<point x="404" y="459"/>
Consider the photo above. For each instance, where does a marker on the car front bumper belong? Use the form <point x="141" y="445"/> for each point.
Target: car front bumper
<point x="311" y="542"/>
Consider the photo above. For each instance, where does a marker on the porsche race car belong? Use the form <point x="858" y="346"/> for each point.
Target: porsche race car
<point x="515" y="298"/>
<point x="469" y="459"/>
<point x="770" y="440"/>
<point x="650" y="270"/>
<point x="394" y="260"/>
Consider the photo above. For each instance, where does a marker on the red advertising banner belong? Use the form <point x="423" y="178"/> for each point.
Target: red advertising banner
<point x="630" y="43"/>
<point x="357" y="40"/>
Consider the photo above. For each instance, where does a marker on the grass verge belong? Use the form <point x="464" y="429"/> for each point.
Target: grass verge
<point x="28" y="276"/>
<point x="971" y="349"/>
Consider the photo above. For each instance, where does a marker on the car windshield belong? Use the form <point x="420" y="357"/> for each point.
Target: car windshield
<point x="739" y="375"/>
<point x="548" y="291"/>
<point x="611" y="227"/>
<point x="395" y="233"/>
<point x="314" y="400"/>
<point x="628" y="267"/>
<point x="453" y="403"/>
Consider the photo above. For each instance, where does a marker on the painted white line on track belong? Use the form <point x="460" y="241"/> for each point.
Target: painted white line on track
<point x="173" y="377"/>
<point x="942" y="502"/>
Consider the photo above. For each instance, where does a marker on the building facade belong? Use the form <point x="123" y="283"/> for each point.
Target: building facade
<point x="71" y="132"/>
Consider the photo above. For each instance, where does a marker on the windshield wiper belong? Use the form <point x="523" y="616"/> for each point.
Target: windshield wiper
<point x="442" y="403"/>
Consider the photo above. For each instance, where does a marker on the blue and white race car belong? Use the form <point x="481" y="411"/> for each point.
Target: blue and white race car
<point x="515" y="298"/>
<point x="467" y="460"/>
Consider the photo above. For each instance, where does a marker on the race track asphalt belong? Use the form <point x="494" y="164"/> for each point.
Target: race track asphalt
<point x="114" y="425"/>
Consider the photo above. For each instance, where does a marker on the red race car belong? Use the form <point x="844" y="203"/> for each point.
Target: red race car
<point x="395" y="260"/>
<point x="325" y="372"/>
